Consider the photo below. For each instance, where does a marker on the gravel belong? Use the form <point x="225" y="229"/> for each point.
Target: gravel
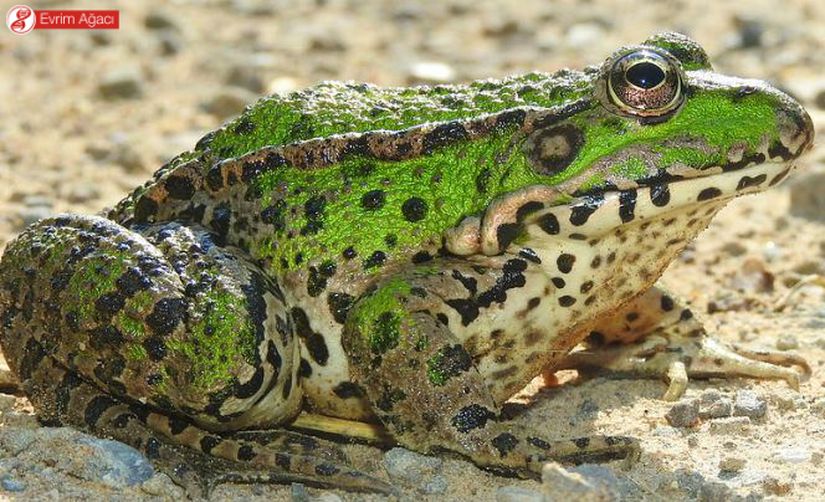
<point x="684" y="414"/>
<point x="230" y="101"/>
<point x="121" y="83"/>
<point x="517" y="494"/>
<point x="749" y="404"/>
<point x="729" y="425"/>
<point x="561" y="485"/>
<point x="415" y="470"/>
<point x="806" y="195"/>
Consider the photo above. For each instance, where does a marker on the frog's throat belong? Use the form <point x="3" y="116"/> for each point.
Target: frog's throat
<point x="594" y="215"/>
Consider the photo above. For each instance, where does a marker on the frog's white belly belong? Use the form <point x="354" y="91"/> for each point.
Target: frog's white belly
<point x="607" y="262"/>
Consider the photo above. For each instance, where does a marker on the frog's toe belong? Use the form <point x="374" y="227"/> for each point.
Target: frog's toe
<point x="676" y="359"/>
<point x="714" y="359"/>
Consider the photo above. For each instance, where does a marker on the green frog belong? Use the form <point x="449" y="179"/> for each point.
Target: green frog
<point x="410" y="257"/>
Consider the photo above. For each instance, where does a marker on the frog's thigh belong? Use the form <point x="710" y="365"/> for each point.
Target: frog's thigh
<point x="159" y="314"/>
<point x="425" y="388"/>
<point x="657" y="336"/>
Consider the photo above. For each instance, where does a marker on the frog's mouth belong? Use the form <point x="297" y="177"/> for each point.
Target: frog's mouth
<point x="595" y="213"/>
<point x="533" y="212"/>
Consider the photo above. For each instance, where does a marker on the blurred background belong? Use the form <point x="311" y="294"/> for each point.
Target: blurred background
<point x="85" y="116"/>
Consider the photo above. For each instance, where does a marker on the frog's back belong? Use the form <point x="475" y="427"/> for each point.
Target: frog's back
<point x="331" y="108"/>
<point x="338" y="108"/>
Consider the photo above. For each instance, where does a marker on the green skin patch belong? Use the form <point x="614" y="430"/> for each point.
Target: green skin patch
<point x="217" y="343"/>
<point x="381" y="317"/>
<point x="335" y="108"/>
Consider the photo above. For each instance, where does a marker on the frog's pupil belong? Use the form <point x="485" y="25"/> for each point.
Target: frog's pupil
<point x="645" y="75"/>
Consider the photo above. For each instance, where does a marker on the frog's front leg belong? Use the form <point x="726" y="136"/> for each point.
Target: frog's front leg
<point x="425" y="387"/>
<point x="656" y="336"/>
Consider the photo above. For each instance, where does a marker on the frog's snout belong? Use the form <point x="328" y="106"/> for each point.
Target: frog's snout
<point x="796" y="129"/>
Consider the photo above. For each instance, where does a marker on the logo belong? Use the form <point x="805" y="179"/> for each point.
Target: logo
<point x="20" y="19"/>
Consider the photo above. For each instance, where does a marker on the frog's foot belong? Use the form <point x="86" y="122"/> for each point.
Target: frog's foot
<point x="426" y="390"/>
<point x="195" y="459"/>
<point x="655" y="338"/>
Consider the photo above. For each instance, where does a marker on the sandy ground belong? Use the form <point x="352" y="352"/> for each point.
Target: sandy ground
<point x="86" y="116"/>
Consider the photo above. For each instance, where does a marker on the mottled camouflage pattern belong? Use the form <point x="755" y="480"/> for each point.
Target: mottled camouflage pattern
<point x="411" y="256"/>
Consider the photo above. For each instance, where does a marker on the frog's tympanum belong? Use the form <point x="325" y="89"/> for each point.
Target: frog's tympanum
<point x="407" y="256"/>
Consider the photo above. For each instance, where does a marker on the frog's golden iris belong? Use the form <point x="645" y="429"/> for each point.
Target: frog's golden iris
<point x="646" y="83"/>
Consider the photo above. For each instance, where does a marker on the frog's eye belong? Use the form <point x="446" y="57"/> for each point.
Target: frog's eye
<point x="645" y="83"/>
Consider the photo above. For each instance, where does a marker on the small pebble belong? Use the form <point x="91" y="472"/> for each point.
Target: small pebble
<point x="30" y="215"/>
<point x="810" y="267"/>
<point x="721" y="408"/>
<point x="114" y="463"/>
<point x="774" y="486"/>
<point x="517" y="494"/>
<point x="12" y="484"/>
<point x="100" y="38"/>
<point x="327" y="497"/>
<point x="806" y="195"/>
<point x="734" y="248"/>
<point x="419" y="471"/>
<point x="753" y="276"/>
<point x="246" y="77"/>
<point x="715" y="491"/>
<point x="160" y="21"/>
<point x="38" y="200"/>
<point x="749" y="404"/>
<point x="7" y="402"/>
<point x="818" y="406"/>
<point x="430" y="72"/>
<point x="729" y="425"/>
<point x="665" y="431"/>
<point x="229" y="102"/>
<point x="121" y="83"/>
<point x="732" y="464"/>
<point x="583" y="34"/>
<point x="750" y="33"/>
<point x="793" y="455"/>
<point x="787" y="403"/>
<point x="128" y="158"/>
<point x="690" y="482"/>
<point x="819" y="99"/>
<point x="598" y="475"/>
<point x="562" y="485"/>
<point x="299" y="493"/>
<point x="683" y="414"/>
<point x="98" y="151"/>
<point x="282" y="85"/>
<point x="170" y="43"/>
<point x="327" y="42"/>
<point x="709" y="397"/>
<point x="160" y="485"/>
<point x="82" y="193"/>
<point x="771" y="251"/>
<point x="787" y="342"/>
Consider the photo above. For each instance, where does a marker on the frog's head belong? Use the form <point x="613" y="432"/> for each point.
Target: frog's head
<point x="660" y="114"/>
<point x="660" y="132"/>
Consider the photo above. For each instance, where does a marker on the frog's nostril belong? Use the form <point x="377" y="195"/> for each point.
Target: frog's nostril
<point x="808" y="130"/>
<point x="796" y="130"/>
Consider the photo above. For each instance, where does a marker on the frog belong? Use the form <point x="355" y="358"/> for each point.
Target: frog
<point x="408" y="257"/>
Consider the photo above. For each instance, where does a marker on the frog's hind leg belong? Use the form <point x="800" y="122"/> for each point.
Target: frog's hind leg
<point x="656" y="336"/>
<point x="427" y="391"/>
<point x="156" y="335"/>
<point x="196" y="459"/>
